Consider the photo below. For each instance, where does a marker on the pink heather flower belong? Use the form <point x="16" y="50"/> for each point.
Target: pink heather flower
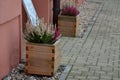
<point x="70" y="11"/>
<point x="57" y="34"/>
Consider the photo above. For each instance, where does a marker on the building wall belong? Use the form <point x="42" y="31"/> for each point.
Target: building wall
<point x="44" y="9"/>
<point x="10" y="35"/>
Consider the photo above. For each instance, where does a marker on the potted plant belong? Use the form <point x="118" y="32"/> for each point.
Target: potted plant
<point x="42" y="48"/>
<point x="68" y="20"/>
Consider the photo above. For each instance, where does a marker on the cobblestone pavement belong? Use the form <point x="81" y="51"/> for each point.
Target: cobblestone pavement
<point x="96" y="57"/>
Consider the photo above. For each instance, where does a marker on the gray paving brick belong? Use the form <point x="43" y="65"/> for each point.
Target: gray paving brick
<point x="107" y="69"/>
<point x="116" y="78"/>
<point x="92" y="78"/>
<point x="80" y="77"/>
<point x="106" y="77"/>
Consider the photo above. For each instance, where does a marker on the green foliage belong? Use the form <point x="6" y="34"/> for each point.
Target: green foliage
<point x="33" y="37"/>
<point x="36" y="38"/>
<point x="46" y="38"/>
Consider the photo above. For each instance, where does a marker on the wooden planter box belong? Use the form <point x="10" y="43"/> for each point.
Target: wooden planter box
<point x="42" y="59"/>
<point x="68" y="25"/>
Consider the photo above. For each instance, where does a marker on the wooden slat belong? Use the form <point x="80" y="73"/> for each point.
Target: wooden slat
<point x="68" y="34"/>
<point x="67" y="18"/>
<point x="39" y="70"/>
<point x="63" y="23"/>
<point x="40" y="63"/>
<point x="40" y="54"/>
<point x="40" y="48"/>
<point x="63" y="29"/>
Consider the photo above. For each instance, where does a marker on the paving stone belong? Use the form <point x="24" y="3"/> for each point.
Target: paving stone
<point x="106" y="77"/>
<point x="80" y="77"/>
<point x="70" y="77"/>
<point x="74" y="73"/>
<point x="97" y="74"/>
<point x="92" y="78"/>
<point x="107" y="69"/>
<point x="116" y="78"/>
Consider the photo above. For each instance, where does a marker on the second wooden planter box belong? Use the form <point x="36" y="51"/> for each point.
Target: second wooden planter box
<point x="68" y="25"/>
<point x="42" y="59"/>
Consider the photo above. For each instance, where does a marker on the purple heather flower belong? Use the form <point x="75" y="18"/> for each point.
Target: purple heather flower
<point x="70" y="11"/>
<point x="57" y="34"/>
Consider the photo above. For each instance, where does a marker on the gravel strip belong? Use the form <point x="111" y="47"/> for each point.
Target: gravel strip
<point x="18" y="73"/>
<point x="87" y="11"/>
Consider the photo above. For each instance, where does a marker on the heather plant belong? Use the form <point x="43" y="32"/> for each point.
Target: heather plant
<point x="70" y="11"/>
<point x="41" y="33"/>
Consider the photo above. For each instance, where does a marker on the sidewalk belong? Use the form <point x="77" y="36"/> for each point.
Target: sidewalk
<point x="96" y="57"/>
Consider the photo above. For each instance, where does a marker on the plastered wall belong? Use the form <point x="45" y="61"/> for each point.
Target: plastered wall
<point x="10" y="35"/>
